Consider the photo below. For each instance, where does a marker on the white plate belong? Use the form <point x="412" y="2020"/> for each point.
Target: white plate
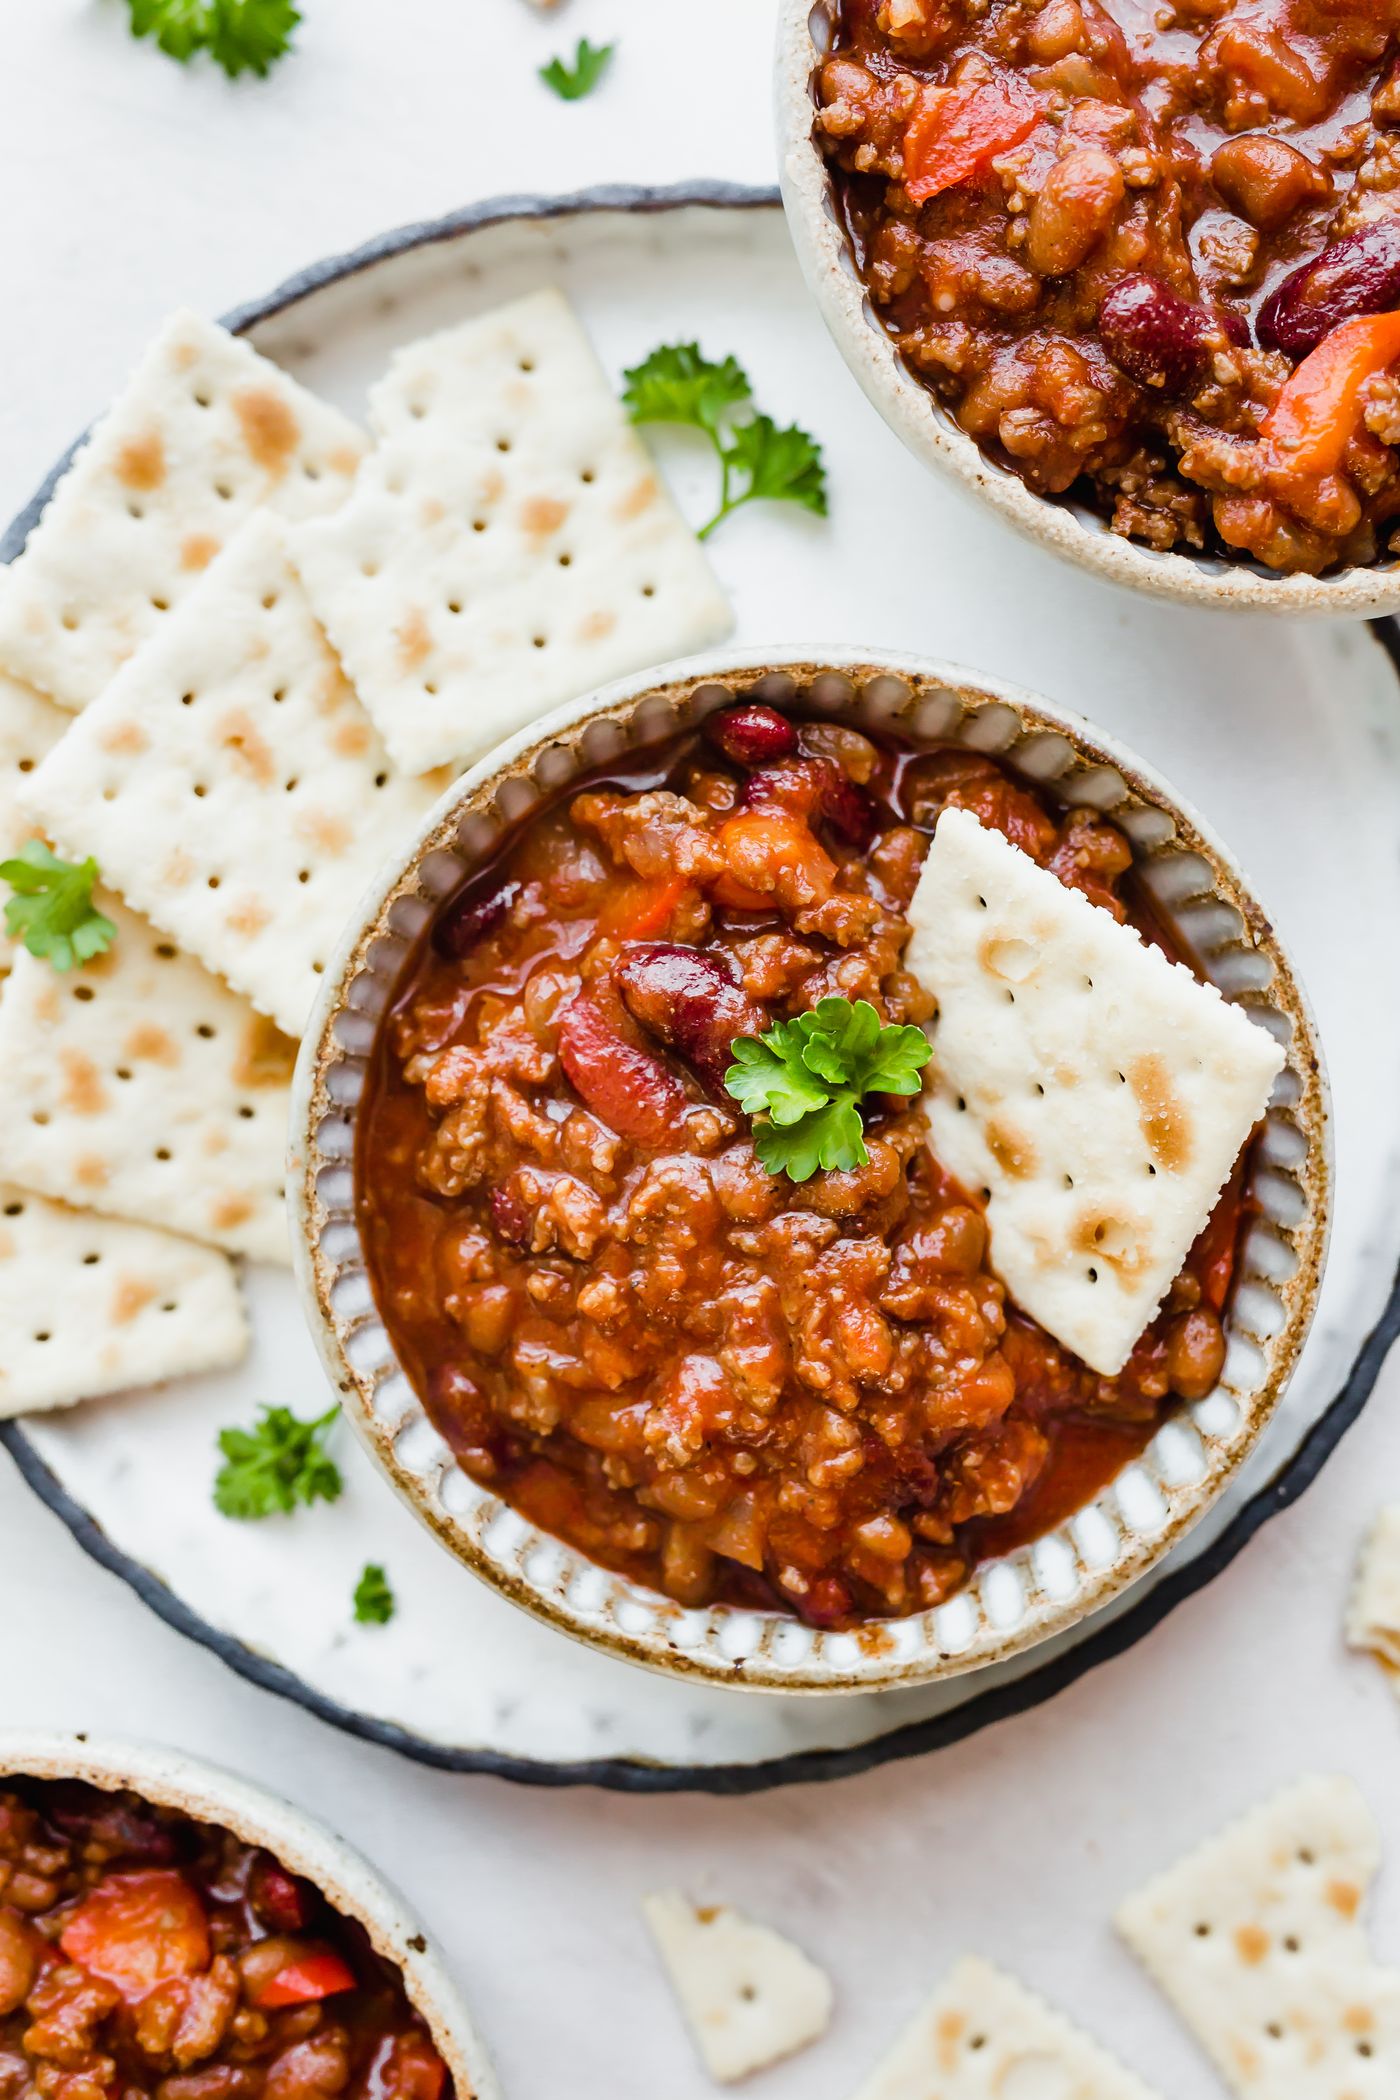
<point x="1287" y="738"/>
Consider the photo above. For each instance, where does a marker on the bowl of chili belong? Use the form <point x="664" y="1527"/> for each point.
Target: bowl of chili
<point x="164" y="1923"/>
<point x="541" y="1258"/>
<point x="1137" y="290"/>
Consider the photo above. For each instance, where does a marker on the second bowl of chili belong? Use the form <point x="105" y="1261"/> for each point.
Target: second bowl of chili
<point x="784" y="1433"/>
<point x="1136" y="285"/>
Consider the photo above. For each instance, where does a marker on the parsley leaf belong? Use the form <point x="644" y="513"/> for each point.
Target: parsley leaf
<point x="273" y="1466"/>
<point x="808" y="1077"/>
<point x="242" y="36"/>
<point x="374" y="1600"/>
<point x="572" y="83"/>
<point x="678" y="384"/>
<point x="780" y="466"/>
<point x="758" y="461"/>
<point x="52" y="910"/>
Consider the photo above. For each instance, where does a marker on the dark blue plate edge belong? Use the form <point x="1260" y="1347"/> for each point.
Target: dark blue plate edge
<point x="629" y="1775"/>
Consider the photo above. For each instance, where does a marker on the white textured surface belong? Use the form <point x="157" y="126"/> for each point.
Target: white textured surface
<point x="141" y="187"/>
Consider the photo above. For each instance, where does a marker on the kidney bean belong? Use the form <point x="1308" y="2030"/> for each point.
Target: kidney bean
<point x="687" y="999"/>
<point x="1160" y="339"/>
<point x="470" y="917"/>
<point x="279" y="1900"/>
<point x="752" y="735"/>
<point x="1359" y="274"/>
<point x="626" y="1088"/>
<point x="509" y="1217"/>
<point x="816" y="787"/>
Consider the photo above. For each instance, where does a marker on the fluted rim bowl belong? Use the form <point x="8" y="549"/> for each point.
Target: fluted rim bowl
<point x="1076" y="534"/>
<point x="1013" y="1603"/>
<point x="173" y="1779"/>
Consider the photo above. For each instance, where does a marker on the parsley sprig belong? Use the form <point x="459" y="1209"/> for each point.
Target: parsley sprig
<point x="276" y="1464"/>
<point x="242" y="36"/>
<point x="374" y="1600"/>
<point x="52" y="910"/>
<point x="809" y="1076"/>
<point x="572" y="82"/>
<point x="758" y="461"/>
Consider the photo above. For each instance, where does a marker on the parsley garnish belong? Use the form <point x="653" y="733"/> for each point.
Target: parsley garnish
<point x="758" y="461"/>
<point x="374" y="1600"/>
<point x="275" y="1465"/>
<point x="52" y="910"/>
<point x="243" y="36"/>
<point x="572" y="83"/>
<point x="809" y="1076"/>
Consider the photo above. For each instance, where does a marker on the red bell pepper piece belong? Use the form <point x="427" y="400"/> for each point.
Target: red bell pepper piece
<point x="316" y="1974"/>
<point x="1319" y="410"/>
<point x="957" y="132"/>
<point x="642" y="911"/>
<point x="1213" y="1256"/>
<point x="138" y="1930"/>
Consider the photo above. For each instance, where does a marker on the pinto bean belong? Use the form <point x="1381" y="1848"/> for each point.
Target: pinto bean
<point x="1073" y="211"/>
<point x="19" y="1959"/>
<point x="1265" y="179"/>
<point x="1195" y="1353"/>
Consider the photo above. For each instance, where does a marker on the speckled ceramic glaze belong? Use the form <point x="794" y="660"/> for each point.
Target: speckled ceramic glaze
<point x="171" y="1779"/>
<point x="805" y="32"/>
<point x="1012" y="1603"/>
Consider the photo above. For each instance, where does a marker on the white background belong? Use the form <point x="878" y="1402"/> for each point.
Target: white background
<point x="127" y="186"/>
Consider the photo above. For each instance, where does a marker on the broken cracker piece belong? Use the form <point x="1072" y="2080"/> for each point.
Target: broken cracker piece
<point x="748" y="1996"/>
<point x="507" y="545"/>
<point x="983" y="2036"/>
<point x="1258" y="1939"/>
<point x="204" y="431"/>
<point x="144" y="1088"/>
<point x="1099" y="1093"/>
<point x="90" y="1306"/>
<point x="1373" y="1614"/>
<point x="231" y="785"/>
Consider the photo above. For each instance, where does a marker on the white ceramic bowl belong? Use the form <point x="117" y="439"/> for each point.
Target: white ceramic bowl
<point x="1012" y="1603"/>
<point x="172" y="1779"/>
<point x="805" y="31"/>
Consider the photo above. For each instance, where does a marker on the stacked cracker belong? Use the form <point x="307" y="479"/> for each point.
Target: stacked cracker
<point x="171" y="705"/>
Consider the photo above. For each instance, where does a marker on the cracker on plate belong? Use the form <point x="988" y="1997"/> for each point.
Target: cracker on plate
<point x="144" y="1088"/>
<point x="507" y="545"/>
<point x="91" y="1305"/>
<point x="204" y="431"/>
<point x="748" y="1996"/>
<point x="1373" y="1614"/>
<point x="1259" y="1940"/>
<point x="30" y="726"/>
<point x="1098" y="1093"/>
<point x="231" y="785"/>
<point x="983" y="2036"/>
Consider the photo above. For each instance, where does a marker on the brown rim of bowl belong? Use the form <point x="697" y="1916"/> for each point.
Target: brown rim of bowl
<point x="207" y="1793"/>
<point x="930" y="433"/>
<point x="1195" y="883"/>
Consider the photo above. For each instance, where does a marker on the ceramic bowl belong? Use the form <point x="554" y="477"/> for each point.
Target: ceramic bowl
<point x="172" y="1779"/>
<point x="805" y="34"/>
<point x="1012" y="1603"/>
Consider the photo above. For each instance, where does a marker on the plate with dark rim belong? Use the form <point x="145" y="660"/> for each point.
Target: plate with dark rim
<point x="1286" y="737"/>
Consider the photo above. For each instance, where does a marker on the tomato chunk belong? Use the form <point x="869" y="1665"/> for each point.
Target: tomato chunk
<point x="956" y="132"/>
<point x="138" y="1930"/>
<point x="632" y="1092"/>
<point x="1319" y="411"/>
<point x="316" y="1974"/>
